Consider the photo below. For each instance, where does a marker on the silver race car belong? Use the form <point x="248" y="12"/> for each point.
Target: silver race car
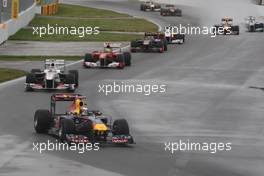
<point x="53" y="77"/>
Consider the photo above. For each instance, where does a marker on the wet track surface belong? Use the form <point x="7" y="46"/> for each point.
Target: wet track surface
<point x="207" y="100"/>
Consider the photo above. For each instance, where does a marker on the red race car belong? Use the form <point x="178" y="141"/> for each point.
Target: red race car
<point x="111" y="57"/>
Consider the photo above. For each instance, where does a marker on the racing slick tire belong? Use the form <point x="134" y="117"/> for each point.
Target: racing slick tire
<point x="178" y="12"/>
<point x="134" y="44"/>
<point x="70" y="79"/>
<point x="165" y="45"/>
<point x="42" y="121"/>
<point x="67" y="126"/>
<point x="120" y="127"/>
<point x="251" y="28"/>
<point x="35" y="70"/>
<point x="76" y="76"/>
<point x="141" y="7"/>
<point x="127" y="58"/>
<point x="88" y="57"/>
<point x="235" y="29"/>
<point x="30" y="78"/>
<point x="120" y="59"/>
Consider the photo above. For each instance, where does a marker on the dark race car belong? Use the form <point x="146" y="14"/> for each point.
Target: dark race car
<point x="254" y="26"/>
<point x="110" y="57"/>
<point x="226" y="27"/>
<point x="53" y="77"/>
<point x="173" y="38"/>
<point x="152" y="42"/>
<point x="76" y="124"/>
<point x="170" y="10"/>
<point x="150" y="6"/>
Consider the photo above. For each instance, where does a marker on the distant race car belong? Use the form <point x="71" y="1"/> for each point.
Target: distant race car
<point x="110" y="57"/>
<point x="227" y="27"/>
<point x="174" y="38"/>
<point x="70" y="120"/>
<point x="53" y="77"/>
<point x="150" y="6"/>
<point x="170" y="10"/>
<point x="254" y="26"/>
<point x="152" y="42"/>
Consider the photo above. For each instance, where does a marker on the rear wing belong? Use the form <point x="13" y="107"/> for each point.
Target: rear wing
<point x="169" y="6"/>
<point x="67" y="97"/>
<point x="57" y="63"/>
<point x="112" y="45"/>
<point x="159" y="35"/>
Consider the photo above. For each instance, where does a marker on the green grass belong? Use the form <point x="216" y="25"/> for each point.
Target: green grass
<point x="38" y="58"/>
<point x="26" y="34"/>
<point x="71" y="15"/>
<point x="66" y="10"/>
<point x="9" y="74"/>
<point x="123" y="25"/>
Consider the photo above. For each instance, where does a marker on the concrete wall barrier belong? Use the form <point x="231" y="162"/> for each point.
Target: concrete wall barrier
<point x="12" y="25"/>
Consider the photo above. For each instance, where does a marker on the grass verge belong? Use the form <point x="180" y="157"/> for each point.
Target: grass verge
<point x="9" y="74"/>
<point x="72" y="16"/>
<point x="26" y="35"/>
<point x="38" y="58"/>
<point x="122" y="25"/>
<point x="66" y="10"/>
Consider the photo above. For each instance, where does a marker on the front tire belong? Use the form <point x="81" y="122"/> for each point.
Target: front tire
<point x="67" y="126"/>
<point x="30" y="79"/>
<point x="42" y="121"/>
<point x="120" y="127"/>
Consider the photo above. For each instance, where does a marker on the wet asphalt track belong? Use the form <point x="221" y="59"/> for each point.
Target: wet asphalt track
<point x="207" y="100"/>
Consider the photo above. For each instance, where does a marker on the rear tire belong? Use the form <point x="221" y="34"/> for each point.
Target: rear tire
<point x="70" y="79"/>
<point x="120" y="127"/>
<point x="35" y="70"/>
<point x="76" y="76"/>
<point x="42" y="121"/>
<point x="127" y="58"/>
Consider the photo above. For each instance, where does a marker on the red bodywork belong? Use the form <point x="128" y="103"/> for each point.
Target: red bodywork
<point x="104" y="55"/>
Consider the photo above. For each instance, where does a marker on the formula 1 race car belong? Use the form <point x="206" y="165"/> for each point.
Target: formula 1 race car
<point x="172" y="37"/>
<point x="53" y="77"/>
<point x="79" y="125"/>
<point x="110" y="57"/>
<point x="150" y="6"/>
<point x="227" y="27"/>
<point x="170" y="10"/>
<point x="254" y="26"/>
<point x="152" y="42"/>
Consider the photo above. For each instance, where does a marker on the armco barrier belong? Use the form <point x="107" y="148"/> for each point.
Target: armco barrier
<point x="12" y="26"/>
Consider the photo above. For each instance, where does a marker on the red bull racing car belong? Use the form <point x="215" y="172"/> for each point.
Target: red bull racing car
<point x="77" y="124"/>
<point x="110" y="57"/>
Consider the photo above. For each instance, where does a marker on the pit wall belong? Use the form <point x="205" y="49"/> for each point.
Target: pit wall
<point x="11" y="26"/>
